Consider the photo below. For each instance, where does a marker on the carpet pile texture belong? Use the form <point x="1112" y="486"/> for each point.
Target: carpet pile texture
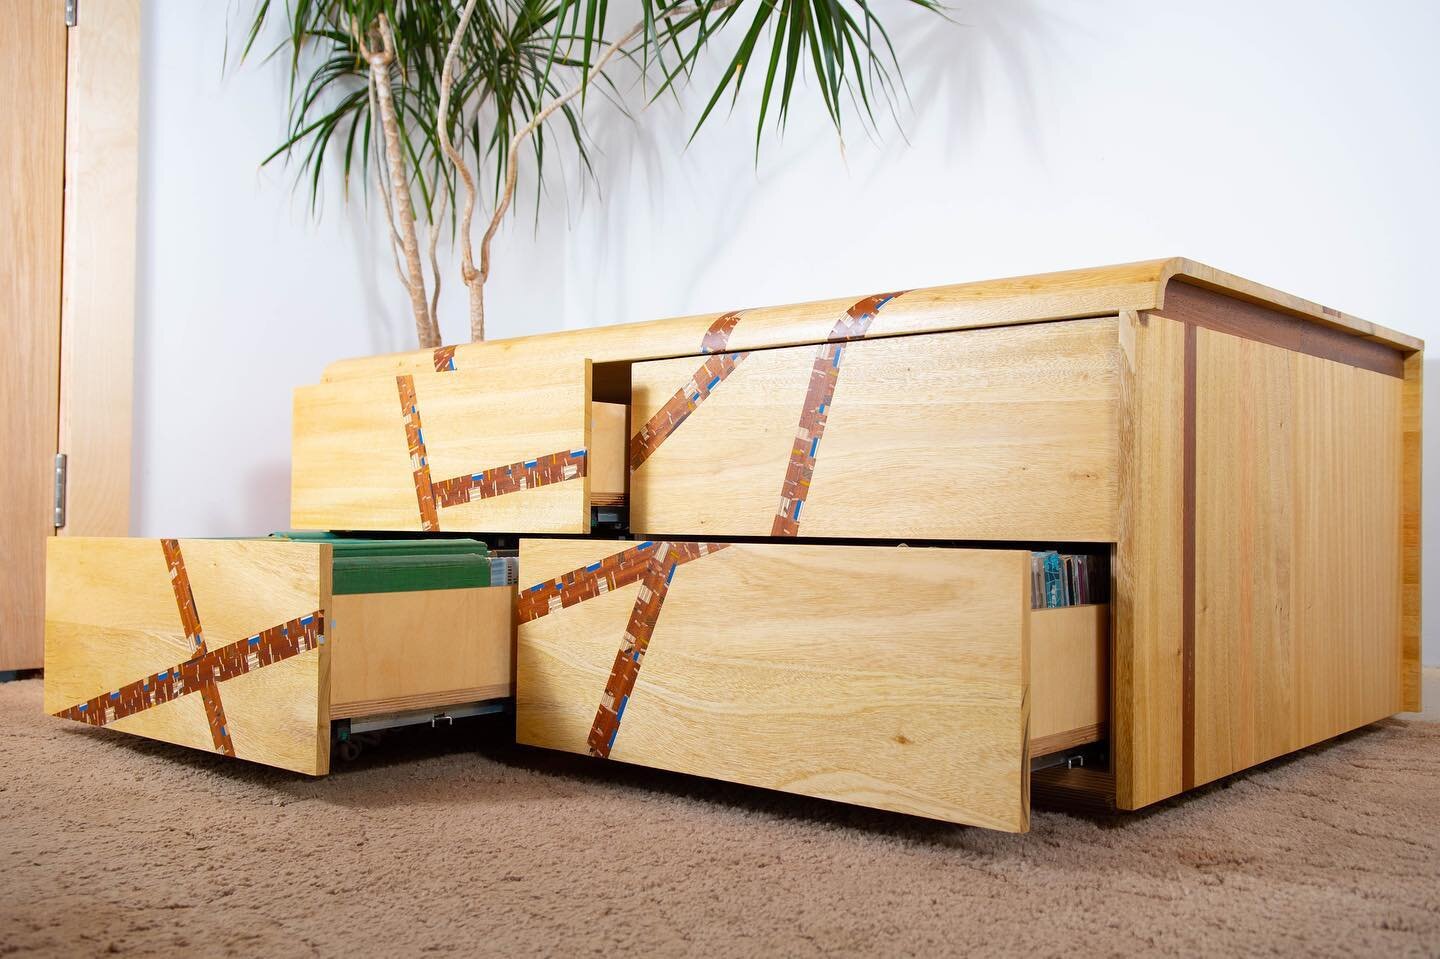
<point x="436" y="841"/>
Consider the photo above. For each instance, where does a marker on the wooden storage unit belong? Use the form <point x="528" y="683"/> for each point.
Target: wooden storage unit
<point x="1249" y="460"/>
<point x="245" y="647"/>
<point x="888" y="677"/>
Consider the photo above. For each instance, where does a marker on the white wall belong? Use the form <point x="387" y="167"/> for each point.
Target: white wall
<point x="1294" y="142"/>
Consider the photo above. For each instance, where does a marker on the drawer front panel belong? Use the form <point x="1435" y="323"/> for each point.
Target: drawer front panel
<point x="887" y="677"/>
<point x="989" y="434"/>
<point x="451" y="450"/>
<point x="214" y="644"/>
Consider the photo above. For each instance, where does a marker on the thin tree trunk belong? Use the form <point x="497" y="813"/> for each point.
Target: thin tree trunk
<point x="468" y="273"/>
<point x="477" y="291"/>
<point x="425" y="326"/>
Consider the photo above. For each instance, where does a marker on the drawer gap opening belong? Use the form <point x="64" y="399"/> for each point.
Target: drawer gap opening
<point x="609" y="444"/>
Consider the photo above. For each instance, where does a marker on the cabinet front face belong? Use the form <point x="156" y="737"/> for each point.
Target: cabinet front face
<point x="445" y="451"/>
<point x="887" y="677"/>
<point x="1006" y="433"/>
<point x="213" y="644"/>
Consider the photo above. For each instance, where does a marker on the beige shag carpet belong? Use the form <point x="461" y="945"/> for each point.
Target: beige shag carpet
<point x="438" y="842"/>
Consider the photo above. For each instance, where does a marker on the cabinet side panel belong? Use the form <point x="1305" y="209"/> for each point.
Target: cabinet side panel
<point x="1411" y="404"/>
<point x="1148" y="602"/>
<point x="1299" y="555"/>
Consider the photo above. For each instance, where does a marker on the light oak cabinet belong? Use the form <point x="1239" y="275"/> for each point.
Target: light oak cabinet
<point x="815" y="574"/>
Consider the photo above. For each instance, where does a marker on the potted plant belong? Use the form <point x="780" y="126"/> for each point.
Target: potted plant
<point x="417" y="98"/>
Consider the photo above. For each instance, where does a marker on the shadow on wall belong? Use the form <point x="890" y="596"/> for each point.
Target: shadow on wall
<point x="644" y="163"/>
<point x="265" y="507"/>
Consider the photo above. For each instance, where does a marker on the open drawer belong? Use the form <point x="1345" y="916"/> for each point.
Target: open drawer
<point x="495" y="451"/>
<point x="251" y="647"/>
<point x="1009" y="433"/>
<point x="882" y="676"/>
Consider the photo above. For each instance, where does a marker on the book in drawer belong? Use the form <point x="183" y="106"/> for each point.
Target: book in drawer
<point x="1007" y="433"/>
<point x="452" y="450"/>
<point x="887" y="677"/>
<point x="250" y="648"/>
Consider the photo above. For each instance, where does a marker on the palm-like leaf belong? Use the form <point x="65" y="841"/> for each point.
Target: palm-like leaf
<point x="844" y="41"/>
<point x="519" y="55"/>
<point x="513" y="61"/>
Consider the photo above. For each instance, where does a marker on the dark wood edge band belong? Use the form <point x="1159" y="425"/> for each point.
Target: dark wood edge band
<point x="1199" y="306"/>
<point x="1187" y="567"/>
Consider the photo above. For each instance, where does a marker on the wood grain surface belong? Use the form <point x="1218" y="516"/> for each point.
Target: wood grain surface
<point x="112" y="619"/>
<point x="32" y="145"/>
<point x="102" y="160"/>
<point x="1412" y="402"/>
<point x="1298" y="551"/>
<point x="352" y="467"/>
<point x="886" y="677"/>
<point x="1148" y="735"/>
<point x="1008" y="434"/>
<point x="1071" y="294"/>
<point x="1069" y="676"/>
<point x="421" y="649"/>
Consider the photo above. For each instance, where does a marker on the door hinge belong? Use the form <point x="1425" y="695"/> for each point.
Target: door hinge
<point x="60" y="479"/>
<point x="72" y="13"/>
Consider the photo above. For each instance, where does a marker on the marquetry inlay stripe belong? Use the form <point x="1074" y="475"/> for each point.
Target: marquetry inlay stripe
<point x="431" y="496"/>
<point x="203" y="673"/>
<point x="687" y="398"/>
<point x="528" y="474"/>
<point x="824" y="375"/>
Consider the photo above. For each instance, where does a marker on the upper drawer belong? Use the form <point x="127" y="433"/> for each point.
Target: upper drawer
<point x="1006" y="433"/>
<point x="886" y="677"/>
<point x="498" y="451"/>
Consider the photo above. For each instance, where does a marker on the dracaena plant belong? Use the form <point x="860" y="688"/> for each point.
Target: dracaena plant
<point x="423" y="98"/>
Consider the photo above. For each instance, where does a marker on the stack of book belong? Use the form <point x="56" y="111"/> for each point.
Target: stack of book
<point x="1067" y="579"/>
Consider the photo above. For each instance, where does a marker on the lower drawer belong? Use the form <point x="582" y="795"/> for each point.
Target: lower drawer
<point x="888" y="677"/>
<point x="251" y="647"/>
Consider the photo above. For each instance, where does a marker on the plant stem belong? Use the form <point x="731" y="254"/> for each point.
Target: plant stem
<point x="477" y="291"/>
<point x="382" y="186"/>
<point x="426" y="328"/>
<point x="442" y="122"/>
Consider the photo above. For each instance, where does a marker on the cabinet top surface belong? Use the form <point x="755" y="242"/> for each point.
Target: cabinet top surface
<point x="1028" y="299"/>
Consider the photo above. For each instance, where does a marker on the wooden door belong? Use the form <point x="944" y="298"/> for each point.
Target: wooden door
<point x="102" y="122"/>
<point x="69" y="100"/>
<point x="32" y="142"/>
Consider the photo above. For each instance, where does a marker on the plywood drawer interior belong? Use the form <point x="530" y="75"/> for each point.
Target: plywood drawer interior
<point x="1069" y="677"/>
<point x="808" y="668"/>
<point x="609" y="439"/>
